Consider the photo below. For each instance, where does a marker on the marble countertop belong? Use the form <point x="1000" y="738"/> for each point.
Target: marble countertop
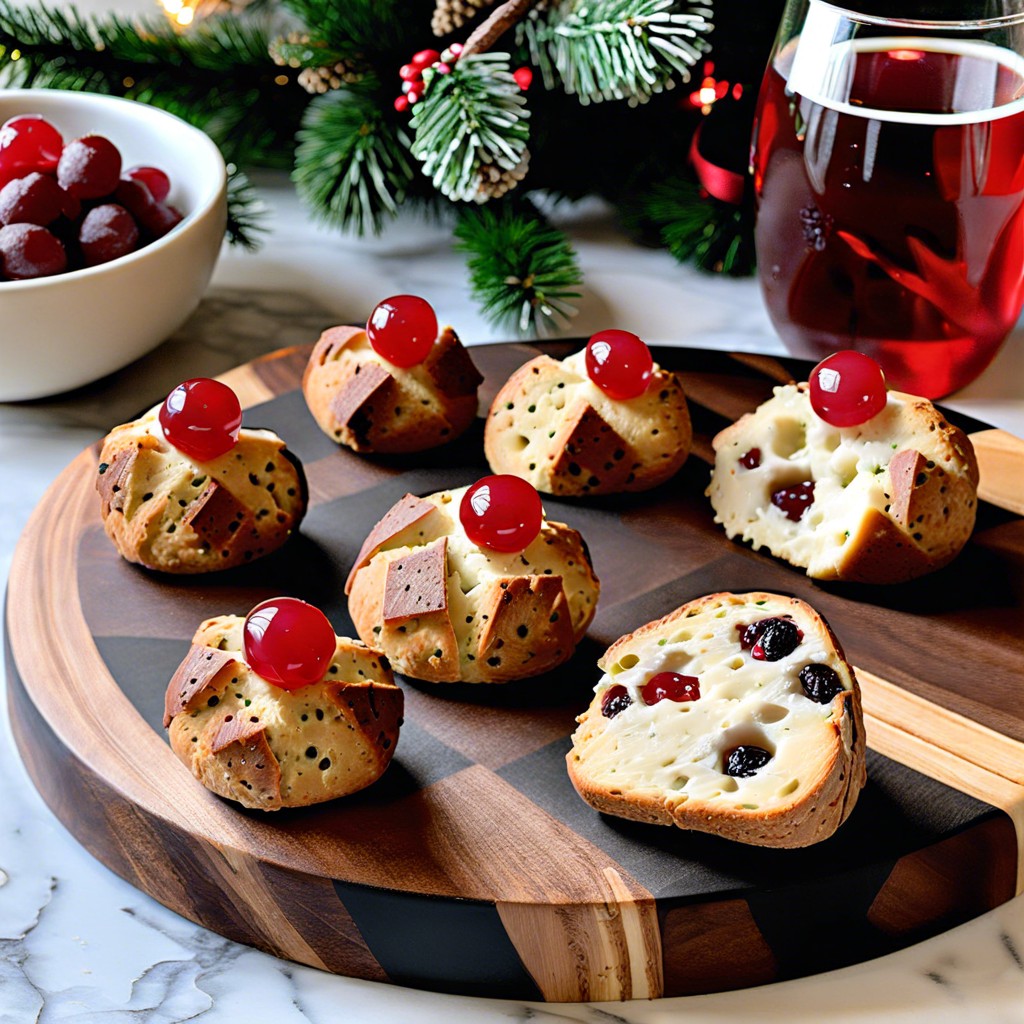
<point x="77" y="943"/>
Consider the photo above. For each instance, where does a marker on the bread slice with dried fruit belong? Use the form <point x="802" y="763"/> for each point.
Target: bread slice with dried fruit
<point x="249" y="740"/>
<point x="362" y="401"/>
<point x="444" y="609"/>
<point x="167" y="511"/>
<point x="736" y="714"/>
<point x="551" y="425"/>
<point x="882" y="502"/>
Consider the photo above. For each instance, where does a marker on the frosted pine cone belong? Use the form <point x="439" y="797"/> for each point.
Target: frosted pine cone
<point x="452" y="14"/>
<point x="495" y="182"/>
<point x="320" y="80"/>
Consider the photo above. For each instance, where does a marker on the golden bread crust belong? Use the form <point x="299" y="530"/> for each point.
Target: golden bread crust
<point x="551" y="425"/>
<point x="444" y="610"/>
<point x="168" y="512"/>
<point x="369" y="405"/>
<point x="267" y="748"/>
<point x="628" y="767"/>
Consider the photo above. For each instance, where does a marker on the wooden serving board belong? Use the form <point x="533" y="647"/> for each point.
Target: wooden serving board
<point x="472" y="866"/>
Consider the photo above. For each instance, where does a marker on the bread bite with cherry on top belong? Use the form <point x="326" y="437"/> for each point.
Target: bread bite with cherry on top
<point x="186" y="489"/>
<point x="845" y="479"/>
<point x="473" y="585"/>
<point x="736" y="714"/>
<point x="600" y="421"/>
<point x="400" y="385"/>
<point x="65" y="206"/>
<point x="275" y="710"/>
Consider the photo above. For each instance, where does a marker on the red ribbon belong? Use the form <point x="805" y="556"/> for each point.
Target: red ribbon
<point x="723" y="184"/>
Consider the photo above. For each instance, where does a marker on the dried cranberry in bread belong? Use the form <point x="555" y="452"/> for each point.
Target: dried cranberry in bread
<point x="445" y="610"/>
<point x="551" y="425"/>
<point x="882" y="502"/>
<point x="361" y="400"/>
<point x="169" y="512"/>
<point x="266" y="747"/>
<point x="764" y="744"/>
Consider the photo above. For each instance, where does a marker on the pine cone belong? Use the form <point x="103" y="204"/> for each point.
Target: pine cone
<point x="294" y="39"/>
<point x="320" y="80"/>
<point x="495" y="182"/>
<point x="452" y="14"/>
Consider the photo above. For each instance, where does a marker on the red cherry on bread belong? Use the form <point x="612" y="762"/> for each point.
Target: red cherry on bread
<point x="201" y="418"/>
<point x="671" y="686"/>
<point x="402" y="329"/>
<point x="501" y="512"/>
<point x="847" y="389"/>
<point x="288" y="642"/>
<point x="619" y="363"/>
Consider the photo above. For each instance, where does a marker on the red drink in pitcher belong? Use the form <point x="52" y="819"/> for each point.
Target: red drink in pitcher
<point x="889" y="175"/>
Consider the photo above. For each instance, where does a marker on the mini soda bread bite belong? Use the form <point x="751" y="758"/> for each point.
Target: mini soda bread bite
<point x="601" y="421"/>
<point x="398" y="386"/>
<point x="846" y="480"/>
<point x="473" y="585"/>
<point x="276" y="711"/>
<point x="185" y="489"/>
<point x="736" y="714"/>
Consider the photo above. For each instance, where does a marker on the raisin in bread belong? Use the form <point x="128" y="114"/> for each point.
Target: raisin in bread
<point x="166" y="511"/>
<point x="551" y="425"/>
<point x="882" y="502"/>
<point x="266" y="747"/>
<point x="361" y="400"/>
<point x="759" y="738"/>
<point x="445" y="610"/>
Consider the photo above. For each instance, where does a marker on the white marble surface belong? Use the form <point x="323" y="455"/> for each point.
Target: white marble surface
<point x="78" y="944"/>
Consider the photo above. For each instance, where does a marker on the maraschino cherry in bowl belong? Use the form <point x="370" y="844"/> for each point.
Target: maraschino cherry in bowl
<point x="66" y="329"/>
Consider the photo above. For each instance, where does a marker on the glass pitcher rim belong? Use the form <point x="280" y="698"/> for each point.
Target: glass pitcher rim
<point x="953" y="24"/>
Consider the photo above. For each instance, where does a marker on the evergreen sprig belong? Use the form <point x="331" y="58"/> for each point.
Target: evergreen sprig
<point x="217" y="75"/>
<point x="615" y="49"/>
<point x="522" y="270"/>
<point x="352" y="166"/>
<point x="246" y="211"/>
<point x="473" y="117"/>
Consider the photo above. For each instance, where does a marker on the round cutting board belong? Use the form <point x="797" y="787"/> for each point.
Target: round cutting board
<point x="473" y="866"/>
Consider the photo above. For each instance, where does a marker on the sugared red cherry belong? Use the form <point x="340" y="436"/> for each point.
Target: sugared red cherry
<point x="153" y="178"/>
<point x="615" y="700"/>
<point x="778" y="638"/>
<point x="671" y="686"/>
<point x="751" y="459"/>
<point x="794" y="500"/>
<point x="847" y="389"/>
<point x="288" y="642"/>
<point x="28" y="143"/>
<point x="28" y="251"/>
<point x="107" y="232"/>
<point x="201" y="418"/>
<point x="502" y="513"/>
<point x="154" y="218"/>
<point x="402" y="330"/>
<point x="89" y="167"/>
<point x="619" y="363"/>
<point x="820" y="682"/>
<point x="34" y="199"/>
<point x="746" y="760"/>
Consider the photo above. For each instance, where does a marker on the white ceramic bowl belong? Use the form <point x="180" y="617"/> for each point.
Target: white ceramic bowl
<point x="59" y="332"/>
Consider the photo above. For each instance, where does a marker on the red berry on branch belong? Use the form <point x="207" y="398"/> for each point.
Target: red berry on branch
<point x="443" y="69"/>
<point x="425" y="58"/>
<point x="415" y="95"/>
<point x="288" y="642"/>
<point x="502" y="513"/>
<point x="153" y="178"/>
<point x="402" y="329"/>
<point x="201" y="418"/>
<point x="407" y="72"/>
<point x="847" y="389"/>
<point x="619" y="363"/>
<point x="401" y="103"/>
<point x="456" y="49"/>
<point x="671" y="686"/>
<point x="523" y="77"/>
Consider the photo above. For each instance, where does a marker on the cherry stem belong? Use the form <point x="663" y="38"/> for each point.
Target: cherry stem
<point x="497" y="23"/>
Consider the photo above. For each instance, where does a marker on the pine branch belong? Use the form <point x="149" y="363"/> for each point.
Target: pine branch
<point x="246" y="212"/>
<point x="471" y="118"/>
<point x="699" y="229"/>
<point x="616" y="49"/>
<point x="495" y="25"/>
<point x="218" y="75"/>
<point x="522" y="271"/>
<point x="352" y="167"/>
